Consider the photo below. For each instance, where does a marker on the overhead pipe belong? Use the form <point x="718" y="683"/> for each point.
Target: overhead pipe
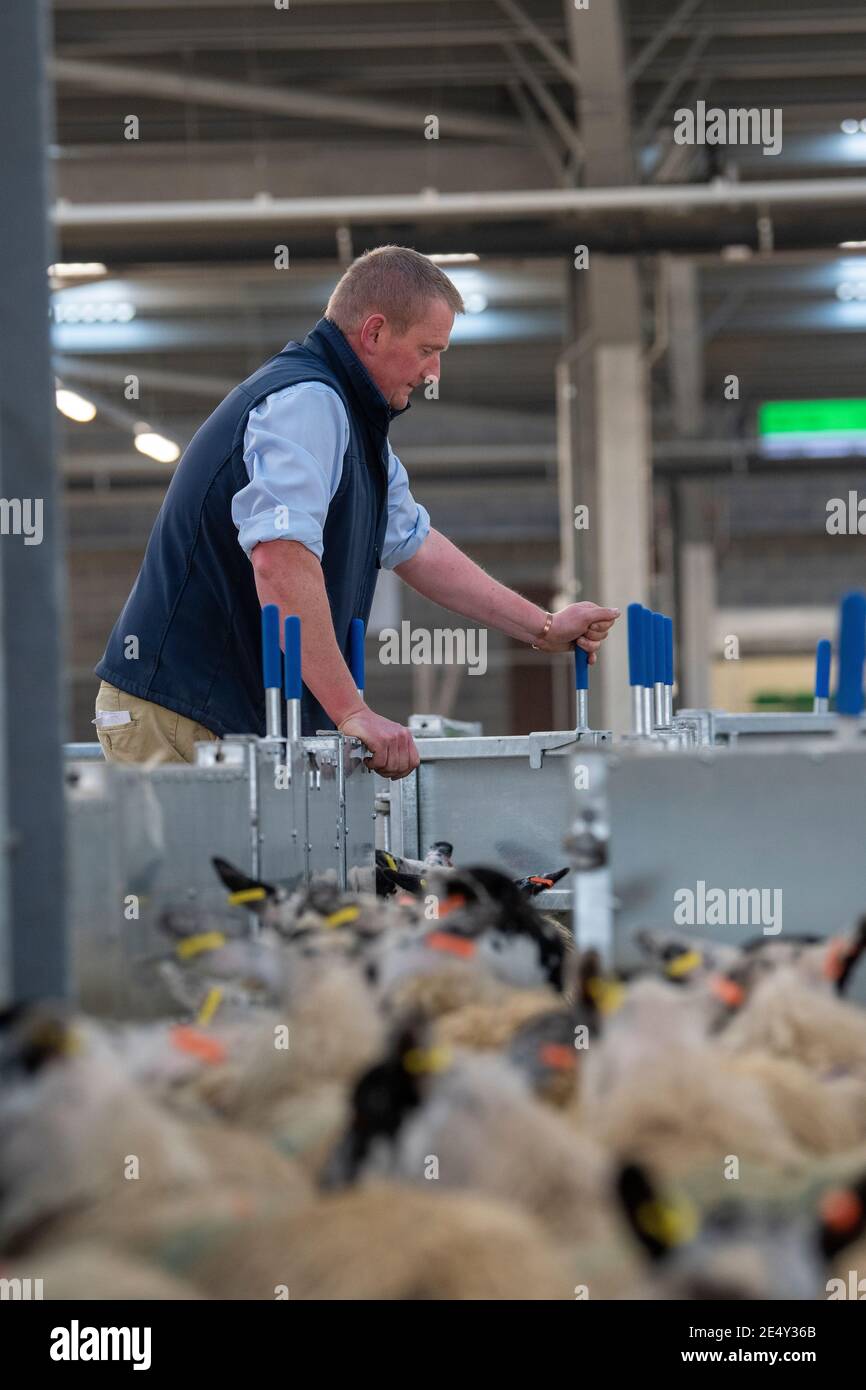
<point x="433" y="207"/>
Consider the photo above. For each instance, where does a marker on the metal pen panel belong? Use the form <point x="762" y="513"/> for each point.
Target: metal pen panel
<point x="778" y="818"/>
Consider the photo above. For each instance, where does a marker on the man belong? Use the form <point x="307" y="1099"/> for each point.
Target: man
<point x="291" y="494"/>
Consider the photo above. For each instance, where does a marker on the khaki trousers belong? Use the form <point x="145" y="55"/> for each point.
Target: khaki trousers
<point x="153" y="733"/>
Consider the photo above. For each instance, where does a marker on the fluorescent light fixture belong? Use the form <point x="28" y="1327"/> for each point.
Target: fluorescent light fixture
<point x="851" y="289"/>
<point x="74" y="407"/>
<point x="813" y="429"/>
<point x="454" y="258"/>
<point x="75" y="310"/>
<point x="850" y="126"/>
<point x="852" y="245"/>
<point x="156" y="446"/>
<point x="69" y="270"/>
<point x="475" y="302"/>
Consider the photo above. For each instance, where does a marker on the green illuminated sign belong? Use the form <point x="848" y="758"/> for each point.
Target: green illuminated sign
<point x="812" y="417"/>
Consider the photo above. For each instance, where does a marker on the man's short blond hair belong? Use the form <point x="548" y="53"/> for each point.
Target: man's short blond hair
<point x="391" y="280"/>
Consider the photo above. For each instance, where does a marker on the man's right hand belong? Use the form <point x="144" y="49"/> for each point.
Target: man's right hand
<point x="391" y="745"/>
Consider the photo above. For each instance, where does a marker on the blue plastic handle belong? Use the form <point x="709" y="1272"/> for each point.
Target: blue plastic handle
<point x="649" y="673"/>
<point x="271" y="647"/>
<point x="635" y="644"/>
<point x="659" y="646"/>
<point x="293" y="689"/>
<point x="356" y="652"/>
<point x="669" y="651"/>
<point x="581" y="669"/>
<point x="822" y="669"/>
<point x="852" y="652"/>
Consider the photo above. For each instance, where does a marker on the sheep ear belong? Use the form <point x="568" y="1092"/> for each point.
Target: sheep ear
<point x="243" y="890"/>
<point x="389" y="880"/>
<point x="850" y="957"/>
<point x="841" y="1217"/>
<point x="533" y="884"/>
<point x="638" y="1196"/>
<point x="34" y="1035"/>
<point x="659" y="1224"/>
<point x="390" y="876"/>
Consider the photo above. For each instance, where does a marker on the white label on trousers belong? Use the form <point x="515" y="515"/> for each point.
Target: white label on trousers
<point x="110" y="718"/>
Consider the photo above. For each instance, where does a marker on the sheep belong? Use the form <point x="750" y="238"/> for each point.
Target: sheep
<point x="535" y="1031"/>
<point x="828" y="964"/>
<point x="390" y="1241"/>
<point x="787" y="1017"/>
<point x="489" y="1027"/>
<point x="822" y="1115"/>
<point x="79" y="1138"/>
<point x="384" y="1241"/>
<point x="85" y="1270"/>
<point x="490" y="933"/>
<point x="470" y="1122"/>
<point x="653" y="1085"/>
<point x="287" y="1076"/>
<point x="737" y="1250"/>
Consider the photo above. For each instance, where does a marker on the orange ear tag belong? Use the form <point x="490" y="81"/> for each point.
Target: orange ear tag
<point x="451" y="944"/>
<point x="835" y="958"/>
<point x="559" y="1056"/>
<point x="841" y="1210"/>
<point x="207" y="1049"/>
<point x="728" y="991"/>
<point x="454" y="900"/>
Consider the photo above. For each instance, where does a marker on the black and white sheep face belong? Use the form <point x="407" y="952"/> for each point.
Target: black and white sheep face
<point x="56" y="1075"/>
<point x="516" y="959"/>
<point x="740" y="1255"/>
<point x="737" y="1250"/>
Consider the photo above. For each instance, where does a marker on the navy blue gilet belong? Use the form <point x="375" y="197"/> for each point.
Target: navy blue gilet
<point x="194" y="609"/>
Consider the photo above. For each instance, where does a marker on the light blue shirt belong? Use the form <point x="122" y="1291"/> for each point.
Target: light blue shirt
<point x="294" y="446"/>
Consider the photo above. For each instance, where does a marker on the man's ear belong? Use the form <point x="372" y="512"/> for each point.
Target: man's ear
<point x="371" y="329"/>
<point x="243" y="890"/>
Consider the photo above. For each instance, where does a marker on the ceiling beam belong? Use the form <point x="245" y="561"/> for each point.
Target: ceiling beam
<point x="642" y="61"/>
<point x="530" y="30"/>
<point x="548" y="103"/>
<point x="130" y="80"/>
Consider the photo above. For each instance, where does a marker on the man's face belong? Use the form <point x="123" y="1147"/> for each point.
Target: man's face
<point x="400" y="362"/>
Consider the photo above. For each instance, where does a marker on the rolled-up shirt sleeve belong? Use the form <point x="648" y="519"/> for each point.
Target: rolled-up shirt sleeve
<point x="294" y="445"/>
<point x="408" y="522"/>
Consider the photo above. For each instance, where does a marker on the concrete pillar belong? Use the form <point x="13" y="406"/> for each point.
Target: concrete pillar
<point x="685" y="347"/>
<point x="696" y="591"/>
<point x="604" y="465"/>
<point x="32" y="907"/>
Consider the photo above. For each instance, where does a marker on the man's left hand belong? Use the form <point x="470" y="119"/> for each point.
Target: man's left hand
<point x="583" y="625"/>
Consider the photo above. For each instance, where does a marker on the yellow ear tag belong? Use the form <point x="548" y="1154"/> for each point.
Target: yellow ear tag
<point x="213" y="999"/>
<point x="247" y="895"/>
<point x="72" y="1043"/>
<point x="390" y="860"/>
<point x="342" y="916"/>
<point x="606" y="994"/>
<point x="671" y="1223"/>
<point x="425" y="1061"/>
<point x="197" y="945"/>
<point x="683" y="964"/>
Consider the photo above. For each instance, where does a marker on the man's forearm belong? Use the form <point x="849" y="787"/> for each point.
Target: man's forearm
<point x="288" y="574"/>
<point x="441" y="572"/>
